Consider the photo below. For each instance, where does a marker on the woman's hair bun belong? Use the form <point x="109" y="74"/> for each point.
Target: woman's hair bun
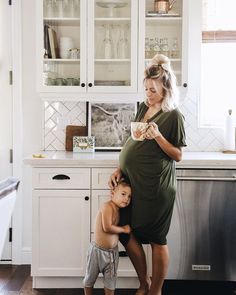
<point x="159" y="59"/>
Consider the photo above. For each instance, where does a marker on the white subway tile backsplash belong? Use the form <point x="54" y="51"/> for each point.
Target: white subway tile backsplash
<point x="199" y="139"/>
<point x="59" y="114"/>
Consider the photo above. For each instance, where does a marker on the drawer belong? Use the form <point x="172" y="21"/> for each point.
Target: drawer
<point x="61" y="178"/>
<point x="100" y="177"/>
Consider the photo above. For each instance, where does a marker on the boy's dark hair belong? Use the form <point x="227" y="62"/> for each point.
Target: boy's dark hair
<point x="124" y="182"/>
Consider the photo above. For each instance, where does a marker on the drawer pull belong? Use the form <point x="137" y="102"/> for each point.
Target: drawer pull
<point x="86" y="198"/>
<point x="123" y="254"/>
<point x="61" y="177"/>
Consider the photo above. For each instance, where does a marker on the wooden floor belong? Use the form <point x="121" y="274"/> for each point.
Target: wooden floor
<point x="16" y="280"/>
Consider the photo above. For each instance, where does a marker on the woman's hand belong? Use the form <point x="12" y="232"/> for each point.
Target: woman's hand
<point x="152" y="131"/>
<point x="114" y="178"/>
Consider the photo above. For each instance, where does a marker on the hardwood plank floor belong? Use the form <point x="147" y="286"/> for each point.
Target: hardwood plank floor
<point x="16" y="280"/>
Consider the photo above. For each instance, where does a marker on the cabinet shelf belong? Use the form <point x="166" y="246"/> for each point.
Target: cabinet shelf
<point x="61" y="60"/>
<point x="112" y="60"/>
<point x="170" y="21"/>
<point x="163" y="19"/>
<point x="62" y="21"/>
<point x="112" y="19"/>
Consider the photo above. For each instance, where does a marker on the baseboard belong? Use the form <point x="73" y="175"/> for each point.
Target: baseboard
<point x="77" y="282"/>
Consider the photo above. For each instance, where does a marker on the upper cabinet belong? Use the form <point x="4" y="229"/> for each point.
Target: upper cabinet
<point x="163" y="28"/>
<point x="87" y="46"/>
<point x="101" y="47"/>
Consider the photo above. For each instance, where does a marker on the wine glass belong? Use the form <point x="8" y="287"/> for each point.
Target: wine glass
<point x="61" y="7"/>
<point x="107" y="43"/>
<point x="115" y="33"/>
<point x="49" y="8"/>
<point x="123" y="44"/>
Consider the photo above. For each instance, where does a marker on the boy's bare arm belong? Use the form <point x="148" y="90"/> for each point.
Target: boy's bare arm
<point x="108" y="226"/>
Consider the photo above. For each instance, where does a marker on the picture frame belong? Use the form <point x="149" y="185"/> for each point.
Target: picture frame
<point x="83" y="144"/>
<point x="110" y="124"/>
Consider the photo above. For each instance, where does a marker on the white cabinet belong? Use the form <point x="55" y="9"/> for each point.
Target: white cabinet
<point x="166" y="34"/>
<point x="65" y="203"/>
<point x="102" y="47"/>
<point x="61" y="228"/>
<point x="87" y="46"/>
<point x="61" y="222"/>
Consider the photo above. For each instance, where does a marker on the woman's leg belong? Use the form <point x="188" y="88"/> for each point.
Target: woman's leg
<point x="160" y="261"/>
<point x="137" y="256"/>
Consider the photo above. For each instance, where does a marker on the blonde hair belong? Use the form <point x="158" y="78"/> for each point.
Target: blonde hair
<point x="159" y="70"/>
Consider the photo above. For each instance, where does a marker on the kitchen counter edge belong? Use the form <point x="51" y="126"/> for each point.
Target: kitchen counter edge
<point x="110" y="159"/>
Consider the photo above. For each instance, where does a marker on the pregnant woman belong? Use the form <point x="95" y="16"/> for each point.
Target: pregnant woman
<point x="149" y="165"/>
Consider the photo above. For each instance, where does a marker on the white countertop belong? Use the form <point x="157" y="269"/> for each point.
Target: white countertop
<point x="110" y="159"/>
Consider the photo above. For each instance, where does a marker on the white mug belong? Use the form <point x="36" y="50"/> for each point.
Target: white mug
<point x="137" y="130"/>
<point x="66" y="43"/>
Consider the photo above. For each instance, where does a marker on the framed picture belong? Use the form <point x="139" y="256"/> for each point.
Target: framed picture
<point x="110" y="124"/>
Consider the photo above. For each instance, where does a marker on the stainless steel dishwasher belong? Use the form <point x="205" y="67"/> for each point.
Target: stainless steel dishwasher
<point x="202" y="237"/>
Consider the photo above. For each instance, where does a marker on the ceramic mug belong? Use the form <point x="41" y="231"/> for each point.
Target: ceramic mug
<point x="137" y="130"/>
<point x="65" y="43"/>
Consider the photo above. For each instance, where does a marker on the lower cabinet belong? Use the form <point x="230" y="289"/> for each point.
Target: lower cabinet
<point x="65" y="203"/>
<point x="61" y="232"/>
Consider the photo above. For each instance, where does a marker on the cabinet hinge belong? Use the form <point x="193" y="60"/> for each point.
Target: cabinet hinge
<point x="9" y="2"/>
<point x="10" y="77"/>
<point x="10" y="234"/>
<point x="11" y="156"/>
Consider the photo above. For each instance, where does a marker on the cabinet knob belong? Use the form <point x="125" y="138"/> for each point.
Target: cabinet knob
<point x="82" y="85"/>
<point x="60" y="177"/>
<point x="86" y="198"/>
<point x="185" y="85"/>
<point x="90" y="84"/>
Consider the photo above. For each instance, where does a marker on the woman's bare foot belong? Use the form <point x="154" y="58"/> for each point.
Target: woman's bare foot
<point x="143" y="290"/>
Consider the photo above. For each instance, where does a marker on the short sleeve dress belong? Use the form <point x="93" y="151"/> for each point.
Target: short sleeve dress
<point x="151" y="173"/>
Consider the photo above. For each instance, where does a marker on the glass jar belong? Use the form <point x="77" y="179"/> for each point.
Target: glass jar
<point x="174" y="53"/>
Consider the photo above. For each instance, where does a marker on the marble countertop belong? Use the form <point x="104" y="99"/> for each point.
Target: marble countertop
<point x="110" y="159"/>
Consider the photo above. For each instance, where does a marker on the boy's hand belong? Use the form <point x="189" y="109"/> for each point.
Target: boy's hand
<point x="127" y="229"/>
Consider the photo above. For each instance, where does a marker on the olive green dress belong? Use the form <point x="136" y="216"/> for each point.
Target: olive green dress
<point x="151" y="173"/>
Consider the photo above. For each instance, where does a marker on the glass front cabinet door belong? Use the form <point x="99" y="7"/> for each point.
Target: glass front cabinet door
<point x="163" y="27"/>
<point x="87" y="46"/>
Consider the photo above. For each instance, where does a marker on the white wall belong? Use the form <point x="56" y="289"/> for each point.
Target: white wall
<point x="32" y="125"/>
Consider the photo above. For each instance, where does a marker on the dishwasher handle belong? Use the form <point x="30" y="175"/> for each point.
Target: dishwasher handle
<point x="189" y="178"/>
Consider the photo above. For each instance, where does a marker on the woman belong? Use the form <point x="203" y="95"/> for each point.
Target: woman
<point x="149" y="165"/>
